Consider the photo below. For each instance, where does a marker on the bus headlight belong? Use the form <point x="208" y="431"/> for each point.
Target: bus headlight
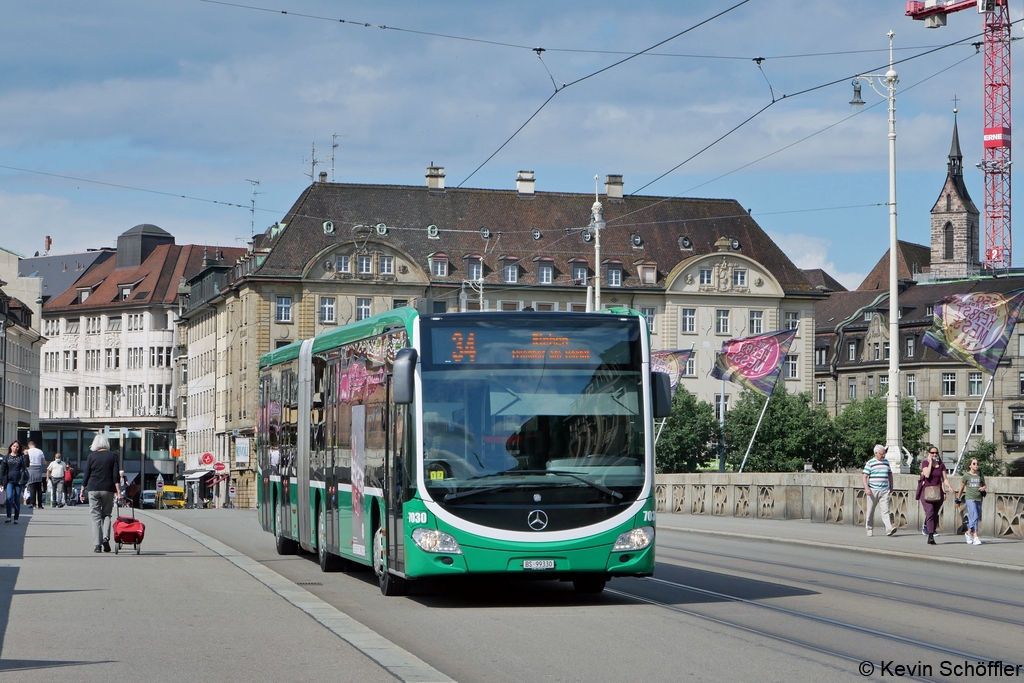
<point x="433" y="541"/>
<point x="634" y="539"/>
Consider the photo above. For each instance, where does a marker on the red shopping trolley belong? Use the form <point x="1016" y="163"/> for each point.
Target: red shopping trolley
<point x="129" y="531"/>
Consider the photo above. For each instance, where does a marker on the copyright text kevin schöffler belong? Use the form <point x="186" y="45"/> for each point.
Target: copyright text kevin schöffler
<point x="887" y="668"/>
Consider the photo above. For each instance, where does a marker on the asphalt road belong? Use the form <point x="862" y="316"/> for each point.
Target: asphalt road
<point x="717" y="609"/>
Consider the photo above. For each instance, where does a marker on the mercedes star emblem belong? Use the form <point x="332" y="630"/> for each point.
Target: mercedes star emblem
<point x="538" y="520"/>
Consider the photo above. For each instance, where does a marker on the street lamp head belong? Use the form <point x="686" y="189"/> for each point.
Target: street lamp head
<point x="857" y="103"/>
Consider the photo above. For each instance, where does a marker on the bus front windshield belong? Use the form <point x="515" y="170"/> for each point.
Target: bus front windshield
<point x="551" y="411"/>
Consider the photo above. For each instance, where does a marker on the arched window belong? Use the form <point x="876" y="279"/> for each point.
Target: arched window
<point x="948" y="235"/>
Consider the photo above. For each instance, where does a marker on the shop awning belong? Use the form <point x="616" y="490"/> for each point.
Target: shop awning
<point x="198" y="474"/>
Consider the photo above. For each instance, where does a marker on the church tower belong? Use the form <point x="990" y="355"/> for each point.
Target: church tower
<point x="956" y="251"/>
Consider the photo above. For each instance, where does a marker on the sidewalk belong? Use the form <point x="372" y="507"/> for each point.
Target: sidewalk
<point x="1004" y="553"/>
<point x="178" y="611"/>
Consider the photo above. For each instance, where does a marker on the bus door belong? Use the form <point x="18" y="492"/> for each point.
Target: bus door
<point x="302" y="445"/>
<point x="330" y="492"/>
<point x="394" y="486"/>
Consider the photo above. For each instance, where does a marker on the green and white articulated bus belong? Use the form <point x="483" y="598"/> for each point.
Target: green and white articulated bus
<point x="445" y="445"/>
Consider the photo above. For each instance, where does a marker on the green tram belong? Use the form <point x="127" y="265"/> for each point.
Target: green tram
<point x="432" y="445"/>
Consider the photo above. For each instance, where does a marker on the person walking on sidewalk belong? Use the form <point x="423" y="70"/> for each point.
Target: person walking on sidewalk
<point x="55" y="471"/>
<point x="99" y="479"/>
<point x="36" y="475"/>
<point x="972" y="487"/>
<point x="931" y="489"/>
<point x="13" y="473"/>
<point x="878" y="491"/>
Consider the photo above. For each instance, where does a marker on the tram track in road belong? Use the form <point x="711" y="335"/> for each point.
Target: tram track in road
<point x="829" y="572"/>
<point x="684" y="562"/>
<point x="778" y="637"/>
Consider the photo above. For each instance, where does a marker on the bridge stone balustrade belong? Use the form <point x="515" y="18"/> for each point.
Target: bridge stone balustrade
<point x="829" y="499"/>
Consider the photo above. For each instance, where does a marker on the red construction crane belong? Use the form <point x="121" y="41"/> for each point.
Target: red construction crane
<point x="996" y="164"/>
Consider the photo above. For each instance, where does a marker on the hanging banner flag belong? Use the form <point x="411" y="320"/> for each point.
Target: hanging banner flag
<point x="754" y="362"/>
<point x="975" y="328"/>
<point x="672" y="363"/>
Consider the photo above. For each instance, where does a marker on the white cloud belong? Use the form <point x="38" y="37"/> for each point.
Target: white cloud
<point x="809" y="252"/>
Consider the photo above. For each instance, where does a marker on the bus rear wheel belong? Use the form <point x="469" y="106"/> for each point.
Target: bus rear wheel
<point x="328" y="562"/>
<point x="390" y="585"/>
<point x="285" y="546"/>
<point x="589" y="585"/>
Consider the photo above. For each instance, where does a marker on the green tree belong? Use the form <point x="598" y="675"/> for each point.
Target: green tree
<point x="787" y="437"/>
<point x="690" y="437"/>
<point x="988" y="463"/>
<point x="862" y="424"/>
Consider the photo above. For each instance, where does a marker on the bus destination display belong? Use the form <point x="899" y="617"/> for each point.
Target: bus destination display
<point x="480" y="345"/>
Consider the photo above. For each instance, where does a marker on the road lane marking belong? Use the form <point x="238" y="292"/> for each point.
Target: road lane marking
<point x="401" y="663"/>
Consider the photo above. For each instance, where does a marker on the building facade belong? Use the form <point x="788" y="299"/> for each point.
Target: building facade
<point x="106" y="364"/>
<point x="852" y="344"/>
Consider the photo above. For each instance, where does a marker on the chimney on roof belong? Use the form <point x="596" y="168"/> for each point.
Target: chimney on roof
<point x="435" y="177"/>
<point x="524" y="182"/>
<point x="323" y="176"/>
<point x="613" y="186"/>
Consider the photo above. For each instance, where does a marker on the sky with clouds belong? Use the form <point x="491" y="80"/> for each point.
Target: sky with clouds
<point x="118" y="112"/>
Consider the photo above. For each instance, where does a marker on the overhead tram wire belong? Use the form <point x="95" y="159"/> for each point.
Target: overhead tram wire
<point x="826" y="128"/>
<point x="497" y="43"/>
<point x="124" y="187"/>
<point x="962" y="41"/>
<point x="595" y="73"/>
<point x="613" y="220"/>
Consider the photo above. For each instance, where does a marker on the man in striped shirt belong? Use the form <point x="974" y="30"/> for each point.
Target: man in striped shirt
<point x="877" y="491"/>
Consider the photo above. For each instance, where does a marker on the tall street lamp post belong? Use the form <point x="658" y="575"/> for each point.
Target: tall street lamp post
<point x="887" y="83"/>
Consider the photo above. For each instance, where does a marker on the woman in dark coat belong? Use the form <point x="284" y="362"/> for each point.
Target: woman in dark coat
<point x="933" y="473"/>
<point x="13" y="472"/>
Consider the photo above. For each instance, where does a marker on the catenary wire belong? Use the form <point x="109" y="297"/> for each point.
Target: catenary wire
<point x="595" y="73"/>
<point x="781" y="149"/>
<point x="497" y="43"/>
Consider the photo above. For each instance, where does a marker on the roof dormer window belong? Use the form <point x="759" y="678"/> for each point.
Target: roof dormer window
<point x="474" y="267"/>
<point x="613" y="273"/>
<point x="509" y="269"/>
<point x="439" y="265"/>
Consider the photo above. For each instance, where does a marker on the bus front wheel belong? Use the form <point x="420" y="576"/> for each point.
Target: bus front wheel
<point x="390" y="585"/>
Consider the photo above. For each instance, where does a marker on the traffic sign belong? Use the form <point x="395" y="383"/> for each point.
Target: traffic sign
<point x="219" y="466"/>
<point x="231" y="491"/>
<point x="207" y="459"/>
<point x="159" y="482"/>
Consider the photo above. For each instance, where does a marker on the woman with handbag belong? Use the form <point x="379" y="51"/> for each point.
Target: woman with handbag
<point x="13" y="474"/>
<point x="934" y="479"/>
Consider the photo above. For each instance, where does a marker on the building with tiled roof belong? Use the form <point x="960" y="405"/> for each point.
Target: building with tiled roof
<point x="912" y="261"/>
<point x="20" y="340"/>
<point x="19" y="369"/>
<point x="107" y="362"/>
<point x="702" y="270"/>
<point x="852" y="343"/>
<point x="822" y="281"/>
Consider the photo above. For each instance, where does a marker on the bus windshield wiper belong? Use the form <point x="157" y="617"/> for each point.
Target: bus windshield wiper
<point x="600" y="487"/>
<point x="473" y="492"/>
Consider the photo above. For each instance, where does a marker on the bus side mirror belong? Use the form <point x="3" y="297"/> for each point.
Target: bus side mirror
<point x="403" y="376"/>
<point x="661" y="394"/>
